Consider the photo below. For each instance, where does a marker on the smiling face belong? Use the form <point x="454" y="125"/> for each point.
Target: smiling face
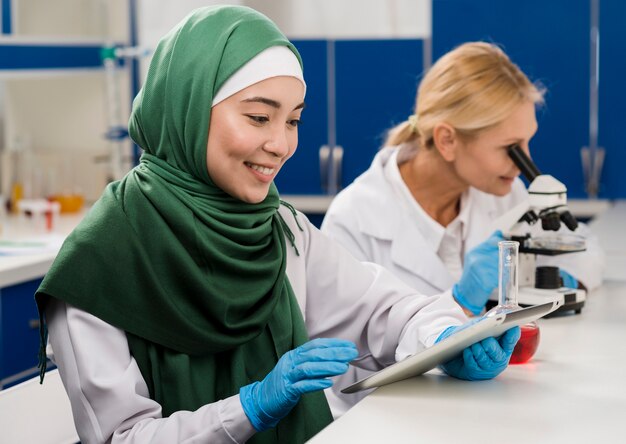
<point x="483" y="161"/>
<point x="252" y="134"/>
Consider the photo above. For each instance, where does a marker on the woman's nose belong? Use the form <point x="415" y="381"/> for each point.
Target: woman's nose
<point x="277" y="144"/>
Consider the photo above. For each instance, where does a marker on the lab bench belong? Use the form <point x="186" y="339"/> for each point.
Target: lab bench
<point x="20" y="276"/>
<point x="572" y="391"/>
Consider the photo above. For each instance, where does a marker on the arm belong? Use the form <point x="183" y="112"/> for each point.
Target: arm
<point x="366" y="304"/>
<point x="109" y="397"/>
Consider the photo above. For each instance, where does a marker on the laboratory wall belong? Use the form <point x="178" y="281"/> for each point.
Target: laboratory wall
<point x="550" y="41"/>
<point x="363" y="60"/>
<point x="61" y="147"/>
<point x="54" y="102"/>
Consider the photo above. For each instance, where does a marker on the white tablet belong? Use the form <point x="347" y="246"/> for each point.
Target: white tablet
<point x="448" y="348"/>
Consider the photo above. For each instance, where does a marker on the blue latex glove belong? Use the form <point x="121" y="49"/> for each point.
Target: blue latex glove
<point x="302" y="370"/>
<point x="483" y="360"/>
<point x="568" y="280"/>
<point x="480" y="275"/>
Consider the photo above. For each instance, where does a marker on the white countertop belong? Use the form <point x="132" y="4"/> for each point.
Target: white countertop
<point x="610" y="227"/>
<point x="608" y="224"/>
<point x="18" y="268"/>
<point x="318" y="204"/>
<point x="572" y="391"/>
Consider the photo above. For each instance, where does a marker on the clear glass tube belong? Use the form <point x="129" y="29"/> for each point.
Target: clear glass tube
<point x="507" y="274"/>
<point x="507" y="301"/>
<point x="508" y="261"/>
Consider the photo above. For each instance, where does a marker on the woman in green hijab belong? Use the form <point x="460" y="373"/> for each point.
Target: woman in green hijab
<point x="180" y="309"/>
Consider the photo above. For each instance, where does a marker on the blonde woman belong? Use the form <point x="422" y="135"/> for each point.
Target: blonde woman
<point x="424" y="206"/>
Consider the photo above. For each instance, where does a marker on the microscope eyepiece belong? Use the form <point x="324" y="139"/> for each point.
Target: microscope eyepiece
<point x="569" y="220"/>
<point x="523" y="162"/>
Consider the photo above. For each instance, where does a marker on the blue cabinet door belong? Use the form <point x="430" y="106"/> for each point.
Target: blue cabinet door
<point x="612" y="97"/>
<point x="301" y="173"/>
<point x="550" y="42"/>
<point x="376" y="85"/>
<point x="19" y="332"/>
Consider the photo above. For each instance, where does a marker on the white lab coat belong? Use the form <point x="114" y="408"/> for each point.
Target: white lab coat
<point x="339" y="296"/>
<point x="369" y="220"/>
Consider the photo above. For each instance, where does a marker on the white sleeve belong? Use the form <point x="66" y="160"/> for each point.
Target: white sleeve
<point x="367" y="304"/>
<point x="110" y="399"/>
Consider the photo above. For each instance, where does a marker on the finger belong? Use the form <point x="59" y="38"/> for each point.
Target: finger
<point x="495" y="237"/>
<point x="311" y="385"/>
<point x="509" y="339"/>
<point x="472" y="369"/>
<point x="471" y="366"/>
<point x="494" y="351"/>
<point x="315" y="370"/>
<point x="482" y="359"/>
<point x="341" y="354"/>
<point x="326" y="343"/>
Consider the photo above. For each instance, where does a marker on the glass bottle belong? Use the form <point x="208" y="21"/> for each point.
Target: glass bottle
<point x="507" y="300"/>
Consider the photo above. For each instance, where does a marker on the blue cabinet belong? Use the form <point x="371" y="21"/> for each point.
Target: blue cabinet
<point x="301" y="174"/>
<point x="375" y="85"/>
<point x="612" y="96"/>
<point x="19" y="332"/>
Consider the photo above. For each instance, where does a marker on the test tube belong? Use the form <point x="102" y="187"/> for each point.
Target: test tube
<point x="507" y="275"/>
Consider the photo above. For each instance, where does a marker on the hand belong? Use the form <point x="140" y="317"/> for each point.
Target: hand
<point x="568" y="280"/>
<point x="480" y="275"/>
<point x="302" y="370"/>
<point x="483" y="360"/>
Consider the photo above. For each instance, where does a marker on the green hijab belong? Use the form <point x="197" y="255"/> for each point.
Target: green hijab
<point x="194" y="277"/>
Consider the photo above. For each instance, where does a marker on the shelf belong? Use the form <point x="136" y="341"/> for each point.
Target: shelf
<point x="28" y="56"/>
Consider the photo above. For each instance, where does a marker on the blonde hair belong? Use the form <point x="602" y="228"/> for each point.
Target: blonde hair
<point x="472" y="88"/>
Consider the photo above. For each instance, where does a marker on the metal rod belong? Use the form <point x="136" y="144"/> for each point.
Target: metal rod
<point x="331" y="111"/>
<point x="593" y="155"/>
<point x="427" y="48"/>
<point x="594" y="83"/>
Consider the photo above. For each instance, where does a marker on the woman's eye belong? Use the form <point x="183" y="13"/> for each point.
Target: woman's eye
<point x="258" y="119"/>
<point x="294" y="122"/>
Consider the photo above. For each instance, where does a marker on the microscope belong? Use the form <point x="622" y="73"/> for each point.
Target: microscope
<point x="546" y="203"/>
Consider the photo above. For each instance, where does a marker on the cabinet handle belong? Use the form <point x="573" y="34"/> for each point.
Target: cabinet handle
<point x="331" y="160"/>
<point x="324" y="160"/>
<point x="334" y="183"/>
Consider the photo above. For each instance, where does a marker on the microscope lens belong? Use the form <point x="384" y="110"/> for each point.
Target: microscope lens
<point x="551" y="222"/>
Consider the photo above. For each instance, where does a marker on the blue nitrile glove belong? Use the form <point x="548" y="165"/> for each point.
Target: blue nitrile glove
<point x="483" y="360"/>
<point x="302" y="370"/>
<point x="480" y="275"/>
<point x="568" y="280"/>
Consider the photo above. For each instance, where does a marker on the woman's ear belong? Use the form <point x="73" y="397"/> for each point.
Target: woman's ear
<point x="446" y="141"/>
